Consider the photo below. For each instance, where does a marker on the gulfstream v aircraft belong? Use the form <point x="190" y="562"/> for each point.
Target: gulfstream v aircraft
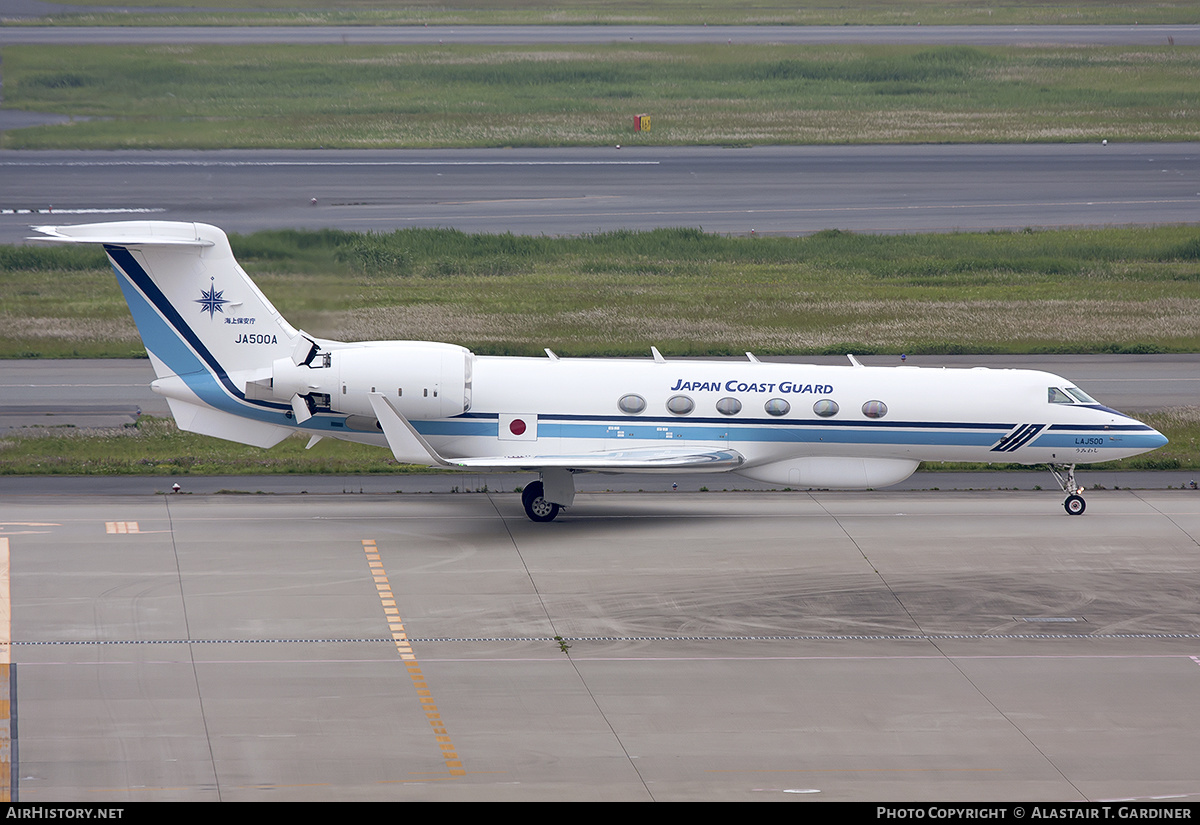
<point x="230" y="366"/>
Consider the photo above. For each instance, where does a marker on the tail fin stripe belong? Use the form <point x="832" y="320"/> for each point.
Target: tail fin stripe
<point x="174" y="341"/>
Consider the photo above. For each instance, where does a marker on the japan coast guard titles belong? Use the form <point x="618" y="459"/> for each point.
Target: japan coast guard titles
<point x="734" y="385"/>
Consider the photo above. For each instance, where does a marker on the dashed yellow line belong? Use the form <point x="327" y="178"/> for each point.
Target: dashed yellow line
<point x="404" y="648"/>
<point x="6" y="749"/>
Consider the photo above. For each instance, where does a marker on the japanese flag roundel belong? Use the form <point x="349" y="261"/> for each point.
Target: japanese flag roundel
<point x="518" y="427"/>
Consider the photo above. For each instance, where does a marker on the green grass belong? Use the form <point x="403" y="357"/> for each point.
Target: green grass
<point x="751" y="12"/>
<point x="156" y="447"/>
<point x="687" y="292"/>
<point x="210" y="97"/>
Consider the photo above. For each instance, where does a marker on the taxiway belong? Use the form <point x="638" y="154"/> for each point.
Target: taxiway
<point x="751" y="646"/>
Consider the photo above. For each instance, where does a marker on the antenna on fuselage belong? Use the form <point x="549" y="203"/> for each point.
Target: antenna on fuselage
<point x="853" y="361"/>
<point x="658" y="356"/>
<point x="753" y="358"/>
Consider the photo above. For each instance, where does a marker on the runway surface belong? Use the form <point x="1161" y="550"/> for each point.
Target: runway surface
<point x="769" y="646"/>
<point x="766" y="190"/>
<point x="1156" y="35"/>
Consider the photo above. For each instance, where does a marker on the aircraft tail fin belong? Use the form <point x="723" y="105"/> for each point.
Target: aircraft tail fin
<point x="209" y="330"/>
<point x="194" y="306"/>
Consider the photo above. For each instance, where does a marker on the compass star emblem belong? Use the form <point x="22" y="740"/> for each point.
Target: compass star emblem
<point x="212" y="301"/>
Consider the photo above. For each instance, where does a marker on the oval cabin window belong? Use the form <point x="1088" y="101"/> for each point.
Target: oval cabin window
<point x="729" y="406"/>
<point x="631" y="404"/>
<point x="681" y="405"/>
<point x="777" y="406"/>
<point x="874" y="409"/>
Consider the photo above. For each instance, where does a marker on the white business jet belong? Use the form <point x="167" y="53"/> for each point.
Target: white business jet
<point x="230" y="366"/>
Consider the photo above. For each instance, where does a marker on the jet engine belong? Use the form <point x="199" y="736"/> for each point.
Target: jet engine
<point x="421" y="379"/>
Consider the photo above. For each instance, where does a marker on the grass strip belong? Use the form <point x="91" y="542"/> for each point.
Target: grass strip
<point x="1134" y="290"/>
<point x="287" y="96"/>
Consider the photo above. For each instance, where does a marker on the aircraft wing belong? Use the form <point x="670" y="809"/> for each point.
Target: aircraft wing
<point x="410" y="446"/>
<point x="644" y="460"/>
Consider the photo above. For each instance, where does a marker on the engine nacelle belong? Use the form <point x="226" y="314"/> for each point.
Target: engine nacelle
<point x="421" y="379"/>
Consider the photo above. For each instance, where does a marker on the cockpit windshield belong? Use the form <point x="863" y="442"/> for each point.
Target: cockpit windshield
<point x="1068" y="395"/>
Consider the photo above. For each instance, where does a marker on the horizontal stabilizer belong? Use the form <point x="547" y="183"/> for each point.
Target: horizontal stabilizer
<point x="128" y="233"/>
<point x="194" y="418"/>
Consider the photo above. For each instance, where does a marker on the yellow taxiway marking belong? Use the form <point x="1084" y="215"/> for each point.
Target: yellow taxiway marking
<point x="5" y="683"/>
<point x="400" y="638"/>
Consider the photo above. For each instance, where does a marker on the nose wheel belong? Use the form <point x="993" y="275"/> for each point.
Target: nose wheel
<point x="1064" y="474"/>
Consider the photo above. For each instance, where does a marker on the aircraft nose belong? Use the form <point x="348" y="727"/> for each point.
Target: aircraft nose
<point x="1157" y="439"/>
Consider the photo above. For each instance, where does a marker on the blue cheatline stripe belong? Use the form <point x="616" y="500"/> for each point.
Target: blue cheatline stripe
<point x="1030" y="432"/>
<point x="1103" y="428"/>
<point x="168" y="336"/>
<point x="794" y="433"/>
<point x="788" y="422"/>
<point x="1137" y="441"/>
<point x="161" y="340"/>
<point x="1018" y="438"/>
<point x="1003" y="444"/>
<point x="782" y="421"/>
<point x="169" y="325"/>
<point x="606" y="434"/>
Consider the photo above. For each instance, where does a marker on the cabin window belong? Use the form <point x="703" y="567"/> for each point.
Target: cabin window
<point x="681" y="404"/>
<point x="874" y="409"/>
<point x="826" y="408"/>
<point x="729" y="406"/>
<point x="1056" y="396"/>
<point x="777" y="406"/>
<point x="631" y="404"/>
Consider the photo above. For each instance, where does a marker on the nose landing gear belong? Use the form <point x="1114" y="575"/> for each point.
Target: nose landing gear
<point x="1064" y="474"/>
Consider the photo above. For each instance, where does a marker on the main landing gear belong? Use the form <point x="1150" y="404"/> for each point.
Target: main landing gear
<point x="552" y="492"/>
<point x="536" y="505"/>
<point x="1064" y="474"/>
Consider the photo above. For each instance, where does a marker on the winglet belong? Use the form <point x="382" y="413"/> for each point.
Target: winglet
<point x="407" y="444"/>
